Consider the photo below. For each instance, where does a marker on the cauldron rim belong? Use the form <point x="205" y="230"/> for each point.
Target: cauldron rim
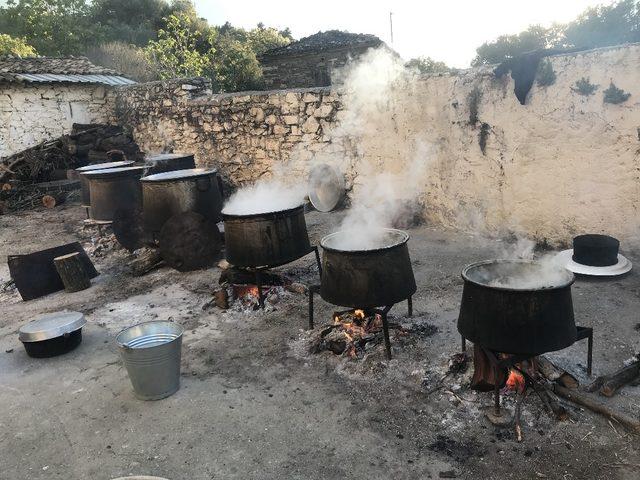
<point x="235" y="216"/>
<point x="184" y="174"/>
<point x="104" y="166"/>
<point x="113" y="172"/>
<point x="571" y="277"/>
<point x="405" y="238"/>
<point x="166" y="156"/>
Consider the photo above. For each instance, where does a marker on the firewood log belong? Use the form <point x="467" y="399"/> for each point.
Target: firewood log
<point x="53" y="199"/>
<point x="72" y="272"/>
<point x="555" y="373"/>
<point x="588" y="401"/>
<point x="609" y="384"/>
<point x="149" y="259"/>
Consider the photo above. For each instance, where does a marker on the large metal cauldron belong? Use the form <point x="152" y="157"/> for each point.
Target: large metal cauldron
<point x="517" y="307"/>
<point x="266" y="239"/>
<point x="84" y="183"/>
<point x="168" y="162"/>
<point x="114" y="189"/>
<point x="381" y="276"/>
<point x="166" y="194"/>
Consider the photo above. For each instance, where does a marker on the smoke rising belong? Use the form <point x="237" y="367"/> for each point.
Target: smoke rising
<point x="385" y="190"/>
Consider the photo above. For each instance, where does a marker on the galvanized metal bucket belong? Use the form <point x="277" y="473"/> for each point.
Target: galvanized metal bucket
<point x="151" y="352"/>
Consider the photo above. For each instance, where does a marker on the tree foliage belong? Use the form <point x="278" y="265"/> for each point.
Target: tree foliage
<point x="427" y="65"/>
<point x="178" y="51"/>
<point x="228" y="55"/>
<point x="15" y="46"/>
<point x="53" y="27"/>
<point x="596" y="27"/>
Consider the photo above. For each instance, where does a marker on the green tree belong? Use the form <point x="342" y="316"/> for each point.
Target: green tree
<point x="605" y="25"/>
<point x="15" y="46"/>
<point x="596" y="27"/>
<point x="135" y="22"/>
<point x="181" y="49"/>
<point x="53" y="27"/>
<point x="426" y="65"/>
<point x="509" y="46"/>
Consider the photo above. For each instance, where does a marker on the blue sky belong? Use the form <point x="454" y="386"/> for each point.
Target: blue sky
<point x="445" y="30"/>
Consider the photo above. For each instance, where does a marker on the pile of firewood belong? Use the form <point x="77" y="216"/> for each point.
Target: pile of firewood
<point x="86" y="144"/>
<point x="50" y="161"/>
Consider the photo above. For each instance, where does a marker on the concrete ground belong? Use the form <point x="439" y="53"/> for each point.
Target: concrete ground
<point x="254" y="403"/>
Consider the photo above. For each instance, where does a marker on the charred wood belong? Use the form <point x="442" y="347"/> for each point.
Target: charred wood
<point x="588" y="401"/>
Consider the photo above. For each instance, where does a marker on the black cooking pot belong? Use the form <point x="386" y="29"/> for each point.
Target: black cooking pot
<point x="266" y="239"/>
<point x="52" y="334"/>
<point x="168" y="162"/>
<point x="517" y="307"/>
<point x="84" y="183"/>
<point x="379" y="276"/>
<point x="166" y="194"/>
<point x="114" y="189"/>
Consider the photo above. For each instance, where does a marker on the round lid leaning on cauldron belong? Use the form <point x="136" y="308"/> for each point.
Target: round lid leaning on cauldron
<point x="104" y="166"/>
<point x="595" y="250"/>
<point x="179" y="175"/>
<point x="114" y="172"/>
<point x="51" y="325"/>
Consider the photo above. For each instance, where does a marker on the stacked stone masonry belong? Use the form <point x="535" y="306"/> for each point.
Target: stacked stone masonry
<point x="560" y="165"/>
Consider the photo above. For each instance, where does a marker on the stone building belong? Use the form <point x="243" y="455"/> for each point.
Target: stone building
<point x="310" y="61"/>
<point x="41" y="98"/>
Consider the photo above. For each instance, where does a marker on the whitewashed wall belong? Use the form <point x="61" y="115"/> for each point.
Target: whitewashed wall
<point x="31" y="113"/>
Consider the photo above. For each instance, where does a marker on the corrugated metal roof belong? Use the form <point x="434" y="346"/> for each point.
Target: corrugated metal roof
<point x="112" y="80"/>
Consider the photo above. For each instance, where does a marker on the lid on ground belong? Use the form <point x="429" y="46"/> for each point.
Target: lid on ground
<point x="50" y="326"/>
<point x="179" y="174"/>
<point x="103" y="166"/>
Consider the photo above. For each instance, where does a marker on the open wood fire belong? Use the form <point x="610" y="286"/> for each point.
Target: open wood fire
<point x="351" y="333"/>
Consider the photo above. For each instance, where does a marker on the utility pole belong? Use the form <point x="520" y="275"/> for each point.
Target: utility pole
<point x="391" y="25"/>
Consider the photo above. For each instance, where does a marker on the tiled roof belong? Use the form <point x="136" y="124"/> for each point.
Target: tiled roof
<point x="325" y="41"/>
<point x="57" y="69"/>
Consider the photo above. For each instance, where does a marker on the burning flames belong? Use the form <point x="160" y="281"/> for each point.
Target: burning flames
<point x="515" y="381"/>
<point x="350" y="332"/>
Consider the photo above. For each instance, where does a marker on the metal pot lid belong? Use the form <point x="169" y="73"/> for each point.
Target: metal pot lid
<point x="50" y="326"/>
<point x="104" y="166"/>
<point x="166" y="156"/>
<point x="326" y="187"/>
<point x="114" y="172"/>
<point x="179" y="174"/>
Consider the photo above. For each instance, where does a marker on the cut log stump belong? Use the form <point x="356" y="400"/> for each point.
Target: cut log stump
<point x="53" y="200"/>
<point x="72" y="272"/>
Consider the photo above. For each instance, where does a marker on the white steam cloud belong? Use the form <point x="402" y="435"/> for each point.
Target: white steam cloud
<point x="385" y="190"/>
<point x="265" y="196"/>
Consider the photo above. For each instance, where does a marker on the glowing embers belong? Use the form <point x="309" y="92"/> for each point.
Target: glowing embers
<point x="352" y="333"/>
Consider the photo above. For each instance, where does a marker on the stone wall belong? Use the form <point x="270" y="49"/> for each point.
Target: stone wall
<point x="559" y="165"/>
<point x="33" y="112"/>
<point x="244" y="135"/>
<point x="311" y="69"/>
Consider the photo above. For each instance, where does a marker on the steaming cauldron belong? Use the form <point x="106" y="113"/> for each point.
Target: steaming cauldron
<point x="266" y="239"/>
<point x="510" y="307"/>
<point x="379" y="276"/>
